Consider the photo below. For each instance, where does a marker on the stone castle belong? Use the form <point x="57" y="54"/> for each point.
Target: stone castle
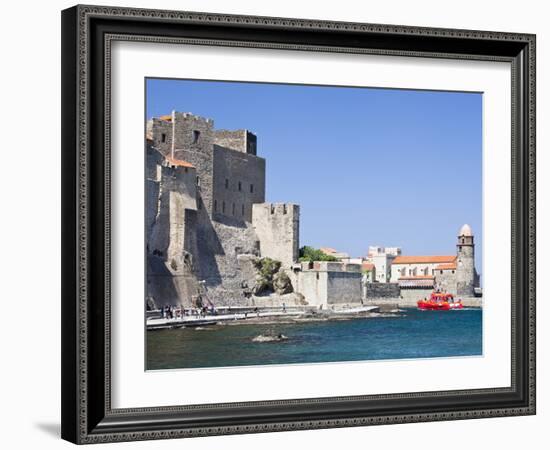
<point x="207" y="220"/>
<point x="208" y="226"/>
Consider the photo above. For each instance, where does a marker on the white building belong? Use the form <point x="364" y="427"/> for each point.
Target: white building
<point x="421" y="271"/>
<point x="382" y="258"/>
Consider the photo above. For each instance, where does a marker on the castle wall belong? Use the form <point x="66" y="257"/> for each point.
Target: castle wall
<point x="343" y="287"/>
<point x="226" y="254"/>
<point x="382" y="290"/>
<point x="238" y="183"/>
<point x="197" y="150"/>
<point x="192" y="132"/>
<point x="160" y="132"/>
<point x="154" y="160"/>
<point x="171" y="233"/>
<point x="240" y="140"/>
<point x="277" y="228"/>
<point x="329" y="284"/>
<point x="190" y="237"/>
<point x="170" y="276"/>
<point x="313" y="285"/>
<point x="152" y="197"/>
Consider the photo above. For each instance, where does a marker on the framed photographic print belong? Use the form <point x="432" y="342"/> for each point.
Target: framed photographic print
<point x="279" y="224"/>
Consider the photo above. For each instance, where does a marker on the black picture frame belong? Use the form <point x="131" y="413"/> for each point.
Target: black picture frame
<point x="87" y="415"/>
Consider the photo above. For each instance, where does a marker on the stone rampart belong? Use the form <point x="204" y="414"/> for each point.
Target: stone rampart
<point x="381" y="290"/>
<point x="277" y="228"/>
<point x="238" y="183"/>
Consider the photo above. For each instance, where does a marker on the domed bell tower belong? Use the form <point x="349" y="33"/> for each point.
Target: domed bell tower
<point x="465" y="266"/>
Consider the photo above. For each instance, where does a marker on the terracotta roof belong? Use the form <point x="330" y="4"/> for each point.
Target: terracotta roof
<point x="367" y="266"/>
<point x="424" y="259"/>
<point x="178" y="162"/>
<point x="449" y="266"/>
<point x="417" y="277"/>
<point x="167" y="117"/>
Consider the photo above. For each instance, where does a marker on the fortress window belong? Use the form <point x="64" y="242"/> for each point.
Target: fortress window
<point x="163" y="137"/>
<point x="251" y="188"/>
<point x="198" y="181"/>
<point x="239" y="186"/>
<point x="242" y="210"/>
<point x="227" y="183"/>
<point x="215" y="206"/>
<point x="223" y="207"/>
<point x="196" y="135"/>
<point x="233" y="209"/>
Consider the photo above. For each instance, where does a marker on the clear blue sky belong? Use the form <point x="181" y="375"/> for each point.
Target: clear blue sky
<point x="367" y="166"/>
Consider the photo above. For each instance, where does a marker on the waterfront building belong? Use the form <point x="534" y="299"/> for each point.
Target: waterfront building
<point x="369" y="272"/>
<point x="451" y="273"/>
<point x="382" y="259"/>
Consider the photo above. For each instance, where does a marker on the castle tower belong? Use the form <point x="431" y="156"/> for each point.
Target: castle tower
<point x="277" y="227"/>
<point x="465" y="265"/>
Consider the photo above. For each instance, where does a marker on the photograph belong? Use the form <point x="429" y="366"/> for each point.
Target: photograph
<point x="276" y="220"/>
<point x="302" y="224"/>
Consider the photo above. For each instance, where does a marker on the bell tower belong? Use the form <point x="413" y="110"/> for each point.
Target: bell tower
<point x="465" y="265"/>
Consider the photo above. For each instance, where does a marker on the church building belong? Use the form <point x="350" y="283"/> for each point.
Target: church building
<point x="451" y="273"/>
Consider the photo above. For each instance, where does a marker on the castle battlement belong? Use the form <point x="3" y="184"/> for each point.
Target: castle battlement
<point x="205" y="200"/>
<point x="277" y="227"/>
<point x="271" y="209"/>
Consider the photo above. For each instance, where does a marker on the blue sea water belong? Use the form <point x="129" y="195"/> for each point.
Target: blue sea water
<point x="416" y="334"/>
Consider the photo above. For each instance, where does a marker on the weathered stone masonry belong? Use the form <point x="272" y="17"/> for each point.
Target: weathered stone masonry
<point x="202" y="185"/>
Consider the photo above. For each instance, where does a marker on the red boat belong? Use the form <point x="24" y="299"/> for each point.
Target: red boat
<point x="439" y="301"/>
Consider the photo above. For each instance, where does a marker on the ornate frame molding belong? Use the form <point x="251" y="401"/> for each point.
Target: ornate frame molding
<point x="88" y="32"/>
